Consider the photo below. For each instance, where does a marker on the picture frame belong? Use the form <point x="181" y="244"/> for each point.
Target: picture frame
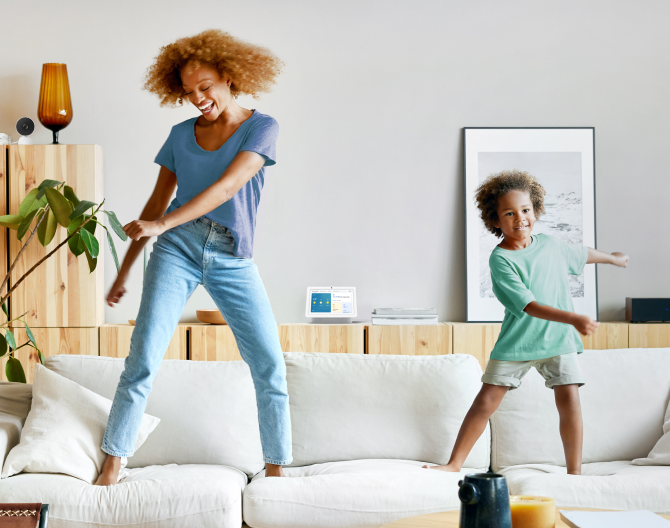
<point x="563" y="160"/>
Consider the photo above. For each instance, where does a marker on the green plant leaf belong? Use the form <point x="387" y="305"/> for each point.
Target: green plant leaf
<point x="9" y="336"/>
<point x="60" y="206"/>
<point x="5" y="309"/>
<point x="76" y="245"/>
<point x="3" y="346"/>
<point x="116" y="225"/>
<point x="92" y="262"/>
<point x="112" y="249"/>
<point x="25" y="224"/>
<point x="42" y="358"/>
<point x="90" y="243"/>
<point x="91" y="224"/>
<point x="14" y="370"/>
<point x="11" y="221"/>
<point x="47" y="229"/>
<point x="74" y="224"/>
<point x="68" y="192"/>
<point x="27" y="203"/>
<point x="49" y="183"/>
<point x="30" y="334"/>
<point x="82" y="207"/>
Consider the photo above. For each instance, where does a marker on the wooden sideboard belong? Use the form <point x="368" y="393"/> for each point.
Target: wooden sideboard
<point x="201" y="342"/>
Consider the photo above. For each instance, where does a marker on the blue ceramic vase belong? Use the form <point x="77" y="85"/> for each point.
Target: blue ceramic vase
<point x="484" y="501"/>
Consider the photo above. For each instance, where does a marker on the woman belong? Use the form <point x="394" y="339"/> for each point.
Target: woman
<point x="216" y="161"/>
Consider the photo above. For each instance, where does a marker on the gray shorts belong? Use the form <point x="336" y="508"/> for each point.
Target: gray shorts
<point x="556" y="370"/>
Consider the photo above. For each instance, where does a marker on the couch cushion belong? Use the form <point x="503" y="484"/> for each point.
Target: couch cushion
<point x="356" y="407"/>
<point x="64" y="430"/>
<point x="167" y="497"/>
<point x="15" y="401"/>
<point x="623" y="404"/>
<point x="660" y="454"/>
<point x="207" y="410"/>
<point x="605" y="485"/>
<point x="359" y="493"/>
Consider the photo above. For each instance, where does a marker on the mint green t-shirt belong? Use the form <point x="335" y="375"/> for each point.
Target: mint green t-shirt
<point x="539" y="272"/>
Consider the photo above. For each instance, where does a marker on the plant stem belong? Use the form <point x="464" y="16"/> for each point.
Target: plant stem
<point x="2" y="301"/>
<point x="16" y="260"/>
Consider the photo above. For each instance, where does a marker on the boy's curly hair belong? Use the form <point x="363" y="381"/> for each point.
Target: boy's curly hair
<point x="499" y="184"/>
<point x="251" y="69"/>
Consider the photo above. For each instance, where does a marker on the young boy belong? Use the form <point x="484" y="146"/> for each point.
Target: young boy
<point x="540" y="329"/>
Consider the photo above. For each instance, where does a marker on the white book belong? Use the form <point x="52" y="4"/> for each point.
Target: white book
<point x="384" y="321"/>
<point x="404" y="311"/>
<point x="617" y="519"/>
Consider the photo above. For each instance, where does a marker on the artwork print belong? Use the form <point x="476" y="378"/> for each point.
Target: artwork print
<point x="562" y="161"/>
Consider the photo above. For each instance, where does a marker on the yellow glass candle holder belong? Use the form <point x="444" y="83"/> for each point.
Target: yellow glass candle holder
<point x="530" y="511"/>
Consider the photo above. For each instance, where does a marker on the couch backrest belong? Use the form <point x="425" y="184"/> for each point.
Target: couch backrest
<point x="355" y="406"/>
<point x="623" y="405"/>
<point x="207" y="409"/>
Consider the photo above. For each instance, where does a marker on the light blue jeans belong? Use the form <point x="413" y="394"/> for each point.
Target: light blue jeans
<point x="201" y="252"/>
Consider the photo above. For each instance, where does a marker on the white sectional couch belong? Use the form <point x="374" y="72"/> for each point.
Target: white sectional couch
<point x="362" y="428"/>
<point x="623" y="404"/>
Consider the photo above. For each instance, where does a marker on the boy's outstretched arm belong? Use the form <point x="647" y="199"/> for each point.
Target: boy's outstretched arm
<point x="583" y="323"/>
<point x="600" y="257"/>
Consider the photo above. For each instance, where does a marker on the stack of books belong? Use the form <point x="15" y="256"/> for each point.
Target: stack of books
<point x="404" y="316"/>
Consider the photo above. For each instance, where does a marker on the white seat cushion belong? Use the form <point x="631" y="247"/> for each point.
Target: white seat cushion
<point x="605" y="485"/>
<point x="623" y="404"/>
<point x="358" y="493"/>
<point x="207" y="410"/>
<point x="358" y="407"/>
<point x="160" y="496"/>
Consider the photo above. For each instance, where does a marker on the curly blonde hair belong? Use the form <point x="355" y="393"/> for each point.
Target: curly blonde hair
<point x="251" y="69"/>
<point x="499" y="184"/>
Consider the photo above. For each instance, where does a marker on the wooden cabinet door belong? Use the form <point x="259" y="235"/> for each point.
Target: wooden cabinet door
<point x="342" y="339"/>
<point x="61" y="292"/>
<point x="115" y="341"/>
<point x="52" y="341"/>
<point x="410" y="340"/>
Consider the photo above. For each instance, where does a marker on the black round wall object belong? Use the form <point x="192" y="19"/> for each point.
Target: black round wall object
<point x="25" y="126"/>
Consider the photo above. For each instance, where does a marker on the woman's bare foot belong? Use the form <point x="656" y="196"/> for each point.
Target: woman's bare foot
<point x="273" y="470"/>
<point x="110" y="471"/>
<point x="446" y="467"/>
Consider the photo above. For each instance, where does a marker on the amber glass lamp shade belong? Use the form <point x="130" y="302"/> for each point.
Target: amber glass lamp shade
<point x="55" y="107"/>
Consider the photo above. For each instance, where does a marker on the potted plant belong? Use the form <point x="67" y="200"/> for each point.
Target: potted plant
<point x="51" y="204"/>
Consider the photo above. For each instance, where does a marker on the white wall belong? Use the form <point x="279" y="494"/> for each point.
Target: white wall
<point x="368" y="187"/>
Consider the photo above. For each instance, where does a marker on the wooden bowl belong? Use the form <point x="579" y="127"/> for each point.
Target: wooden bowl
<point x="210" y="317"/>
<point x="131" y="322"/>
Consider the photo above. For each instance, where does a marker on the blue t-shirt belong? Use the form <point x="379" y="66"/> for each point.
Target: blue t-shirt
<point x="197" y="169"/>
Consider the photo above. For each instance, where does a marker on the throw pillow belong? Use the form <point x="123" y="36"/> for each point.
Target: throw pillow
<point x="660" y="454"/>
<point x="64" y="430"/>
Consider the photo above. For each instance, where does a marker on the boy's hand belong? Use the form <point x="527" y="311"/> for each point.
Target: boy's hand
<point x="585" y="325"/>
<point x="620" y="259"/>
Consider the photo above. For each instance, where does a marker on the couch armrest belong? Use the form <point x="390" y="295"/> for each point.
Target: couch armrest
<point x="10" y="433"/>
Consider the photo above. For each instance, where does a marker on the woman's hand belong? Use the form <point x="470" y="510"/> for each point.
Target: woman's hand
<point x="144" y="228"/>
<point x="116" y="291"/>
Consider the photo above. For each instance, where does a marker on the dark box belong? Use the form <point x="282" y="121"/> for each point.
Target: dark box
<point x="647" y="310"/>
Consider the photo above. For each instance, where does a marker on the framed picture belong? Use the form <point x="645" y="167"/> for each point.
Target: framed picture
<point x="563" y="160"/>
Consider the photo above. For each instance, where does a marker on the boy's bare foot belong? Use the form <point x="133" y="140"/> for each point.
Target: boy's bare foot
<point x="446" y="467"/>
<point x="110" y="471"/>
<point x="575" y="472"/>
<point x="273" y="470"/>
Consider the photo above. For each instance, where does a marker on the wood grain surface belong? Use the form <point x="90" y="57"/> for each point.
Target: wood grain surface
<point x="649" y="335"/>
<point x="61" y="292"/>
<point x="53" y="341"/>
<point x="115" y="341"/>
<point x="410" y="340"/>
<point x="212" y="343"/>
<point x="476" y="339"/>
<point x="608" y="336"/>
<point x="343" y="339"/>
